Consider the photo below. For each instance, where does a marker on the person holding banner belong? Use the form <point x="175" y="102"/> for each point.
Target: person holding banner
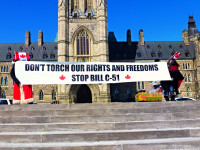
<point x="22" y="94"/>
<point x="175" y="74"/>
<point x="170" y="87"/>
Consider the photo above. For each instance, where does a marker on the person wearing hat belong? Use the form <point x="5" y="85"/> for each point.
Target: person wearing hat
<point x="22" y="94"/>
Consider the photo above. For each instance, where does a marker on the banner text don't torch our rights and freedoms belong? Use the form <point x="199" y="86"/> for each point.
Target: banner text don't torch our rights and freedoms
<point x="83" y="68"/>
<point x="89" y="73"/>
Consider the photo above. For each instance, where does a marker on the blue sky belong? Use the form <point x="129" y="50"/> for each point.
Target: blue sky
<point x="161" y="20"/>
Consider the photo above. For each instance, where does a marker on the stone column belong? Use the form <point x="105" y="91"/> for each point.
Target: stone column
<point x="103" y="47"/>
<point x="63" y="42"/>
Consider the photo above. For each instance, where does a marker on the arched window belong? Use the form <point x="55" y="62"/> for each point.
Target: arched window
<point x="183" y="66"/>
<point x="8" y="55"/>
<point x="2" y="81"/>
<point x="6" y="81"/>
<point x="21" y="48"/>
<point x="54" y="95"/>
<point x="187" y="54"/>
<point x="116" y="91"/>
<point x="9" y="48"/>
<point x="83" y="43"/>
<point x="5" y="69"/>
<point x="41" y="96"/>
<point x="139" y="55"/>
<point x="3" y="94"/>
<point x="188" y="92"/>
<point x="189" y="77"/>
<point x="31" y="56"/>
<point x="160" y="54"/>
<point x="188" y="66"/>
<point x="142" y="85"/>
<point x="139" y="86"/>
<point x="153" y="54"/>
<point x="45" y="56"/>
<point x="185" y="77"/>
<point x="52" y="56"/>
<point x="2" y="69"/>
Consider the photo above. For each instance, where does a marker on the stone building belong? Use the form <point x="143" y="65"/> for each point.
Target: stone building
<point x="82" y="37"/>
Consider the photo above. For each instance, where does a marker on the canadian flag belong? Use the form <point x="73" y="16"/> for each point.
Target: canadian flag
<point x="176" y="55"/>
<point x="22" y="56"/>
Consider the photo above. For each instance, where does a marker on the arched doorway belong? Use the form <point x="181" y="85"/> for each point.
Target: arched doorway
<point x="84" y="94"/>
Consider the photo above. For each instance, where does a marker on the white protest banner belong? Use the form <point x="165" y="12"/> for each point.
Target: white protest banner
<point x="34" y="72"/>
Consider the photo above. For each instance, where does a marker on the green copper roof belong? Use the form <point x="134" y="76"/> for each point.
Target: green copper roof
<point x="56" y="39"/>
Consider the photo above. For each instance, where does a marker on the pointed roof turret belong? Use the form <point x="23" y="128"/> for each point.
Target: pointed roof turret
<point x="192" y="29"/>
<point x="191" y="22"/>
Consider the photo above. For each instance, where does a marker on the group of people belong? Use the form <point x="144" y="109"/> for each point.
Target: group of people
<point x="22" y="94"/>
<point x="170" y="87"/>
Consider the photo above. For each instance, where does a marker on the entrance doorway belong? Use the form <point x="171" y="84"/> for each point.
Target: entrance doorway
<point x="84" y="94"/>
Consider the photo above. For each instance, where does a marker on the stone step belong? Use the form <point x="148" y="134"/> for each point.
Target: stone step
<point x="152" y="144"/>
<point x="96" y="136"/>
<point x="110" y="126"/>
<point x="100" y="118"/>
<point x="45" y="127"/>
<point x="103" y="112"/>
<point x="132" y="105"/>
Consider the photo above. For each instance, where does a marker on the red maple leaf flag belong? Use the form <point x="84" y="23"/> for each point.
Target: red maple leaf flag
<point x="127" y="77"/>
<point x="176" y="55"/>
<point x="62" y="77"/>
<point x="22" y="56"/>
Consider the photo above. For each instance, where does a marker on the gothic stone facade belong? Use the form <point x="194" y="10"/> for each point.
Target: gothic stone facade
<point x="82" y="37"/>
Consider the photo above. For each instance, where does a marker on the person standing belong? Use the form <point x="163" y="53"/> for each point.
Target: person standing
<point x="22" y="94"/>
<point x="171" y="87"/>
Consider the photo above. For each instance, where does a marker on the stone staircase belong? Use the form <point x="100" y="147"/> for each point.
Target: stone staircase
<point x="113" y="126"/>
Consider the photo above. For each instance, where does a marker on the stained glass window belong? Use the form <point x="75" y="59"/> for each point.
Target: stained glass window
<point x="6" y="81"/>
<point x="83" y="43"/>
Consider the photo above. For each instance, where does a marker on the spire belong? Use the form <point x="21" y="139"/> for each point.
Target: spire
<point x="192" y="29"/>
<point x="191" y="22"/>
